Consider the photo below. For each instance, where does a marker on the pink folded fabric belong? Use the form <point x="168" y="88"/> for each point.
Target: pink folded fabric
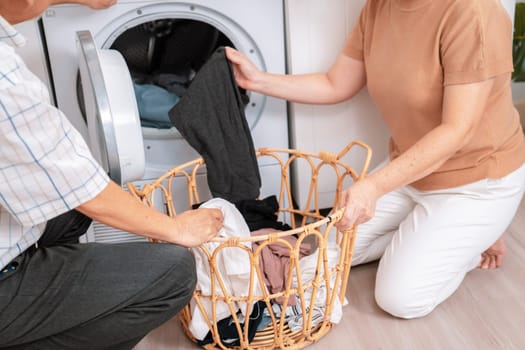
<point x="275" y="262"/>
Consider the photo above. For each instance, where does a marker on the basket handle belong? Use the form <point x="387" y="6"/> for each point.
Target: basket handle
<point x="330" y="157"/>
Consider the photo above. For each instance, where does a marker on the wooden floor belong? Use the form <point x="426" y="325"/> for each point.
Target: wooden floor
<point x="486" y="313"/>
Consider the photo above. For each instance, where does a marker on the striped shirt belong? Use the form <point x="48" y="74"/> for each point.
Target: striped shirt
<point x="46" y="168"/>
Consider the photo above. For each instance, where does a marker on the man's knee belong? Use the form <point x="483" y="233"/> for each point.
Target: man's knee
<point x="179" y="263"/>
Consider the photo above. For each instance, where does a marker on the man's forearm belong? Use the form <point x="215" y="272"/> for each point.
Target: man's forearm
<point x="16" y="11"/>
<point x="116" y="208"/>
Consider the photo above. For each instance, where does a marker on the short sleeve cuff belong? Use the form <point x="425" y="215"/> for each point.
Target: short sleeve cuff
<point x="354" y="53"/>
<point x="473" y="76"/>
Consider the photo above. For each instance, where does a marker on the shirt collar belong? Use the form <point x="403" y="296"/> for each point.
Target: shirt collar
<point x="10" y="35"/>
<point x="410" y="5"/>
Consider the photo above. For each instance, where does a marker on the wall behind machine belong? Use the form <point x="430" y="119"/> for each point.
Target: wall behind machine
<point x="316" y="32"/>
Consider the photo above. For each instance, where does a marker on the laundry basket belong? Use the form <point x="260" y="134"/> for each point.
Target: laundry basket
<point x="315" y="294"/>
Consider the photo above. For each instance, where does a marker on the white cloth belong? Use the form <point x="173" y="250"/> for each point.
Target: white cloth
<point x="46" y="168"/>
<point x="308" y="268"/>
<point x="233" y="264"/>
<point x="429" y="240"/>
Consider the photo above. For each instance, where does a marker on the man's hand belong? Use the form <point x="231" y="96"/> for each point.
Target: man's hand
<point x="198" y="226"/>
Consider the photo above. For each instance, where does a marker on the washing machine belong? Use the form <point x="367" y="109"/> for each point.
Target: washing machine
<point x="33" y="52"/>
<point x="94" y="69"/>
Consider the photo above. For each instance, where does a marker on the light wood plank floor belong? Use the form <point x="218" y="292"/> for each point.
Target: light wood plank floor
<point x="486" y="313"/>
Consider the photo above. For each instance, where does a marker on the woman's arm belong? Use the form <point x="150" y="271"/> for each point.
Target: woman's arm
<point x="344" y="79"/>
<point x="463" y="107"/>
<point x="94" y="4"/>
<point x="117" y="208"/>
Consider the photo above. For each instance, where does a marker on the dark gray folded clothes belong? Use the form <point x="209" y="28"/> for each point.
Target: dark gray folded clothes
<point x="211" y="118"/>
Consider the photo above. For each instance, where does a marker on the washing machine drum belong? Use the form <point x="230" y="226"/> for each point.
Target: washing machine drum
<point x="167" y="46"/>
<point x="163" y="56"/>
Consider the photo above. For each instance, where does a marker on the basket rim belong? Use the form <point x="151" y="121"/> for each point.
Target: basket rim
<point x="268" y="151"/>
<point x="334" y="217"/>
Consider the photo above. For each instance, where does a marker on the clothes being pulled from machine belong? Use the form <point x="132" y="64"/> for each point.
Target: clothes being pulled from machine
<point x="211" y="118"/>
<point x="154" y="103"/>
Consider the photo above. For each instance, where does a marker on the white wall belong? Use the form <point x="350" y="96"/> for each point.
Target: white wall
<point x="510" y="7"/>
<point x="316" y="31"/>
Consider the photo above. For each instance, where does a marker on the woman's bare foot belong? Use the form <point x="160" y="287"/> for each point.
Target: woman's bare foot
<point x="492" y="258"/>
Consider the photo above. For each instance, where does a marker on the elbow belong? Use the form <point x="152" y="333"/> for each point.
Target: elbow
<point x="343" y="91"/>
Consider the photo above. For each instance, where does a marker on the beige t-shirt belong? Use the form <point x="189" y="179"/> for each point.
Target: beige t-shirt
<point x="412" y="49"/>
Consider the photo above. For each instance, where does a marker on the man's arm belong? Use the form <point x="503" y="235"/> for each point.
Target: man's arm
<point x="117" y="208"/>
<point x="16" y="11"/>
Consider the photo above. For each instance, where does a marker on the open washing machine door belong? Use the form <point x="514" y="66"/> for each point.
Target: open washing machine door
<point x="112" y="116"/>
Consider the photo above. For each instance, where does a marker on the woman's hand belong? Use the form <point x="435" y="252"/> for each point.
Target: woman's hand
<point x="245" y="72"/>
<point x="99" y="4"/>
<point x="94" y="4"/>
<point x="198" y="226"/>
<point x="359" y="201"/>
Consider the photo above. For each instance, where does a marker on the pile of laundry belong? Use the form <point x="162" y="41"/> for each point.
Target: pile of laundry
<point x="233" y="265"/>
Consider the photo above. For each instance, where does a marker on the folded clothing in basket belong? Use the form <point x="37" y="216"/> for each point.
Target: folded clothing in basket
<point x="275" y="262"/>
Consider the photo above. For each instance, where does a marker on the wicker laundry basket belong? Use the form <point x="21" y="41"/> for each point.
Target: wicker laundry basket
<point x="186" y="183"/>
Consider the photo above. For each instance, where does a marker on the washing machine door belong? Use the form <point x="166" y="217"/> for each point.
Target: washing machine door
<point x="112" y="116"/>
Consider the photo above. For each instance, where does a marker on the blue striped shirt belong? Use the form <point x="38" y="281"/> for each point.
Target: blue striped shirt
<point x="46" y="167"/>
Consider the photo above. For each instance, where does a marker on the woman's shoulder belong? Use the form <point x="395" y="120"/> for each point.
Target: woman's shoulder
<point x="475" y="6"/>
<point x="488" y="13"/>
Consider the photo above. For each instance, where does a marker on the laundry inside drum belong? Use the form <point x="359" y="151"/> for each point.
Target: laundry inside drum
<point x="163" y="57"/>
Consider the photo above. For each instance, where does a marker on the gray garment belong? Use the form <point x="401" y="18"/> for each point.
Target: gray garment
<point x="211" y="118"/>
<point x="92" y="296"/>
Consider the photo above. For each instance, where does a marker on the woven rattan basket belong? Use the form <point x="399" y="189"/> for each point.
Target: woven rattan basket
<point x="186" y="184"/>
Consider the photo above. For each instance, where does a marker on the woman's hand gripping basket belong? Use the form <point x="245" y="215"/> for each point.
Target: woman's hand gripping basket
<point x="306" y="302"/>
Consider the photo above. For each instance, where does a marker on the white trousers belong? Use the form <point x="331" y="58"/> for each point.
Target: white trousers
<point x="428" y="240"/>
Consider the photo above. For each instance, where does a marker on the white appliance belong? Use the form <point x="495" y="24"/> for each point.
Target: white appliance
<point x="316" y="32"/>
<point x="33" y="52"/>
<point x="78" y="37"/>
